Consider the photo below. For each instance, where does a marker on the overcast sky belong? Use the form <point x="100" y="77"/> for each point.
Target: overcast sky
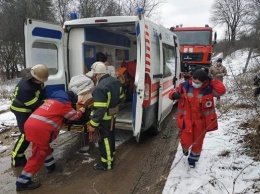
<point x="187" y="13"/>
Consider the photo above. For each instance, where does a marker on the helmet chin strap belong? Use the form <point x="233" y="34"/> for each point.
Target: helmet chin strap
<point x="99" y="75"/>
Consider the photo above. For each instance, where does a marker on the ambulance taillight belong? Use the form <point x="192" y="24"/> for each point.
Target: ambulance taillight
<point x="181" y="75"/>
<point x="147" y="91"/>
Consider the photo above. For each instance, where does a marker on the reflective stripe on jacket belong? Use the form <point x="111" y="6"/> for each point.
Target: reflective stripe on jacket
<point x="198" y="104"/>
<point x="47" y="120"/>
<point x="107" y="94"/>
<point x="28" y="96"/>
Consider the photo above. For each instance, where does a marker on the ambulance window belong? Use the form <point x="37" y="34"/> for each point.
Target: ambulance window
<point x="90" y="52"/>
<point x="47" y="54"/>
<point x="169" y="55"/>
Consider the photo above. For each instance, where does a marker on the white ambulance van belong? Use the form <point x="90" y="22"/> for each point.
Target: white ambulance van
<point x="148" y="49"/>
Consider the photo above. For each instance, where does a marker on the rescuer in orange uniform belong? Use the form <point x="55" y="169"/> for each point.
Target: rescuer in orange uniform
<point x="196" y="111"/>
<point x="41" y="128"/>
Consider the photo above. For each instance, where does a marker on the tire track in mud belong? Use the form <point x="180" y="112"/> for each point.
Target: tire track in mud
<point x="155" y="168"/>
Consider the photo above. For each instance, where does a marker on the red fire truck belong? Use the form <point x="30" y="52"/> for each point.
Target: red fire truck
<point x="196" y="44"/>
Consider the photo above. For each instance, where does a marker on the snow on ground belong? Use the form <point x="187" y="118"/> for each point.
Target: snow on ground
<point x="3" y="148"/>
<point x="4" y="105"/>
<point x="222" y="168"/>
<point x="221" y="162"/>
<point x="7" y="119"/>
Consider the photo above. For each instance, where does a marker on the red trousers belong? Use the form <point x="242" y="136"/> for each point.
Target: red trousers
<point x="35" y="162"/>
<point x="194" y="133"/>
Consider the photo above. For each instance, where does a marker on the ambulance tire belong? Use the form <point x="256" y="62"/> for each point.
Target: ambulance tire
<point x="155" y="130"/>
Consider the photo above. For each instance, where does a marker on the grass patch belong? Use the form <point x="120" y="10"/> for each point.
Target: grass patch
<point x="224" y="153"/>
<point x="252" y="138"/>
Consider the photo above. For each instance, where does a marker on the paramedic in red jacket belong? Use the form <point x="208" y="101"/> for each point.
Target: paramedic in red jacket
<point x="41" y="128"/>
<point x="196" y="111"/>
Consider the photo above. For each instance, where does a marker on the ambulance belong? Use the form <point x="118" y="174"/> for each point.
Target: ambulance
<point x="150" y="51"/>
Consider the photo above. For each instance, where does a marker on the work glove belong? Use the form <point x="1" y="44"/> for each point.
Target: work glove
<point x="94" y="136"/>
<point x="93" y="133"/>
<point x="176" y="96"/>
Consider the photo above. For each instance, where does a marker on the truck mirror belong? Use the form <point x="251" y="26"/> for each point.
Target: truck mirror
<point x="175" y="42"/>
<point x="215" y="37"/>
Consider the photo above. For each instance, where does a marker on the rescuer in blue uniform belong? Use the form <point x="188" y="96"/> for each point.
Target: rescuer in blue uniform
<point x="29" y="94"/>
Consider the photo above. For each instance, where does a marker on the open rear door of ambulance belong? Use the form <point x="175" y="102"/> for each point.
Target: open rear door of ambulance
<point x="44" y="45"/>
<point x="138" y="95"/>
<point x="168" y="67"/>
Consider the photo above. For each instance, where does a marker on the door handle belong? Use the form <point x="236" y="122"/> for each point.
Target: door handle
<point x="158" y="76"/>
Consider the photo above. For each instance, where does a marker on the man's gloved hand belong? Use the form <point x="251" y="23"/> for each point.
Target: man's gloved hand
<point x="82" y="109"/>
<point x="94" y="136"/>
<point x="176" y="96"/>
<point x="90" y="128"/>
<point x="93" y="133"/>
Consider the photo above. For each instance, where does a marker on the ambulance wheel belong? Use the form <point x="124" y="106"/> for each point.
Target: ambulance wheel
<point x="155" y="130"/>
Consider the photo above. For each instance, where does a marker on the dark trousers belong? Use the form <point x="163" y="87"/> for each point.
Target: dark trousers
<point x="21" y="144"/>
<point x="107" y="143"/>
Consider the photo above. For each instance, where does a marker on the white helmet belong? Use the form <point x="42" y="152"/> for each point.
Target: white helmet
<point x="40" y="72"/>
<point x="99" y="68"/>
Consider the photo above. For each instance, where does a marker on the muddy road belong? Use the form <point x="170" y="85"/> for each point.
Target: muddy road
<point x="139" y="168"/>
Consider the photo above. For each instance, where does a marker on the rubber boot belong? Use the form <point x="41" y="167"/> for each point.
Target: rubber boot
<point x="18" y="161"/>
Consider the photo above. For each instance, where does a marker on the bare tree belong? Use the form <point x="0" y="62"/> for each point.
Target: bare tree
<point x="128" y="7"/>
<point x="62" y="9"/>
<point x="92" y="8"/>
<point x="12" y="14"/>
<point x="254" y="23"/>
<point x="232" y="14"/>
<point x="112" y="9"/>
<point x="10" y="38"/>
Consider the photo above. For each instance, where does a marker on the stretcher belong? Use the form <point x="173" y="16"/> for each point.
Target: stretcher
<point x="83" y="122"/>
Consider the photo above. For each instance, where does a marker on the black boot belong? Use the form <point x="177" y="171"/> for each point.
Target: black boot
<point x="191" y="163"/>
<point x="18" y="161"/>
<point x="28" y="186"/>
<point x="100" y="166"/>
<point x="185" y="152"/>
<point x="51" y="168"/>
